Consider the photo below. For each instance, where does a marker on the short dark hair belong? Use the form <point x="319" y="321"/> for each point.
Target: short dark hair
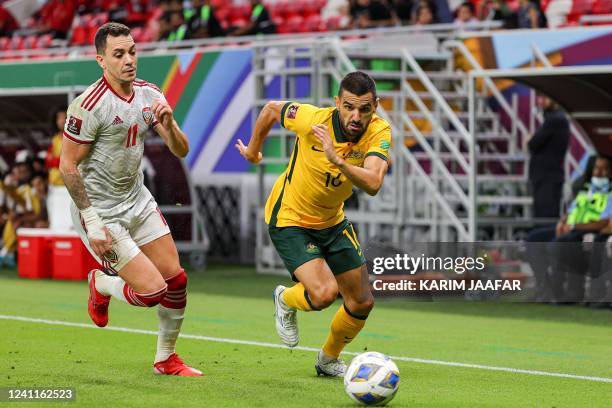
<point x="358" y="83"/>
<point x="112" y="29"/>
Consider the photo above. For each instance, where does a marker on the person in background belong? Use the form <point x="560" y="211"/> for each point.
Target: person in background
<point x="56" y="17"/>
<point x="548" y="147"/>
<point x="465" y="14"/>
<point x="55" y="149"/>
<point x="339" y="10"/>
<point x="403" y="10"/>
<point x="420" y="4"/>
<point x="260" y="21"/>
<point x="530" y="15"/>
<point x="425" y="16"/>
<point x="19" y="204"/>
<point x="201" y="21"/>
<point x="590" y="212"/>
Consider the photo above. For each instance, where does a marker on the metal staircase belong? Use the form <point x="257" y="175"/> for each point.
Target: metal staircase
<point x="455" y="176"/>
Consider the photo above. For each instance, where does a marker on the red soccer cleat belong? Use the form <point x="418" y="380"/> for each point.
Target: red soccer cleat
<point x="173" y="365"/>
<point x="97" y="306"/>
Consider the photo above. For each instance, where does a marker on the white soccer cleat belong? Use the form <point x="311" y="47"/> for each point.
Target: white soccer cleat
<point x="329" y="367"/>
<point x="286" y="319"/>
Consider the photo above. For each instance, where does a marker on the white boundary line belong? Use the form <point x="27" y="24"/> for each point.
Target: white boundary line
<point x="280" y="346"/>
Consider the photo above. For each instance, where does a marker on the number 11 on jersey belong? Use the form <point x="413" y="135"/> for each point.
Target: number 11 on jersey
<point x="131" y="136"/>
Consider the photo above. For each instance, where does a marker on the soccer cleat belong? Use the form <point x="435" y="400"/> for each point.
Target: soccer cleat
<point x="329" y="367"/>
<point x="97" y="306"/>
<point x="286" y="319"/>
<point x="173" y="365"/>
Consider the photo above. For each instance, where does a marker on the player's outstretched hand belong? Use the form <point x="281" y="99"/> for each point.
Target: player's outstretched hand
<point x="101" y="247"/>
<point x="321" y="132"/>
<point x="244" y="152"/>
<point x="163" y="112"/>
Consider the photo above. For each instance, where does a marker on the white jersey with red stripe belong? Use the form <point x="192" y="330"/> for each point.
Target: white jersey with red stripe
<point x="115" y="127"/>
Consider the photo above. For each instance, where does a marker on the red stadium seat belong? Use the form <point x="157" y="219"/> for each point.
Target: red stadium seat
<point x="45" y="41"/>
<point x="295" y="24"/>
<point x="30" y="42"/>
<point x="313" y="23"/>
<point x="16" y="43"/>
<point x="602" y="7"/>
<point x="579" y="8"/>
<point x="4" y="43"/>
<point x="333" y="23"/>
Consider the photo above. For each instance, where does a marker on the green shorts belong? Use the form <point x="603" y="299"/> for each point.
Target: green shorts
<point x="338" y="245"/>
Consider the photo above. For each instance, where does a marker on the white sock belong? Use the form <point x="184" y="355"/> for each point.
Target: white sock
<point x="170" y="321"/>
<point x="110" y="286"/>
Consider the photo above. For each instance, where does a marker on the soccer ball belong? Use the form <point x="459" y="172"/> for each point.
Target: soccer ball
<point x="372" y="379"/>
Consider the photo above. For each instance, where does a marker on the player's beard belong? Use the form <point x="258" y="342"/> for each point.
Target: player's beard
<point x="351" y="134"/>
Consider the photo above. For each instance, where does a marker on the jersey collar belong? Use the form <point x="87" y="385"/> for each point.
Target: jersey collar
<point x="128" y="100"/>
<point x="340" y="136"/>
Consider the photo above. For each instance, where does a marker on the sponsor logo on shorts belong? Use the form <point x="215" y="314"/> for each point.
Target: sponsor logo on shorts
<point x="292" y="111"/>
<point x="312" y="248"/>
<point x="74" y="125"/>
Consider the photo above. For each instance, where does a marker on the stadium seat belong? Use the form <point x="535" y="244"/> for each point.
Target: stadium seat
<point x="45" y="41"/>
<point x="295" y="24"/>
<point x="30" y="42"/>
<point x="314" y="23"/>
<point x="579" y="8"/>
<point x="602" y="7"/>
<point x="4" y="43"/>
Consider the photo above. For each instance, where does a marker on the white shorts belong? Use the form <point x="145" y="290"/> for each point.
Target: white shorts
<point x="130" y="231"/>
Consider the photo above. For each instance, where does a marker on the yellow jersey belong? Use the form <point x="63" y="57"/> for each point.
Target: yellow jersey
<point x="311" y="191"/>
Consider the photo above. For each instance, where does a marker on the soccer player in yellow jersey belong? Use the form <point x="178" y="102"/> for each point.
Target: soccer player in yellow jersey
<point x="335" y="149"/>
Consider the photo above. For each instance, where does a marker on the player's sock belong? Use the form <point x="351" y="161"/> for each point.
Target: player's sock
<point x="344" y="327"/>
<point x="297" y="298"/>
<point x="170" y="313"/>
<point x="116" y="287"/>
<point x="110" y="286"/>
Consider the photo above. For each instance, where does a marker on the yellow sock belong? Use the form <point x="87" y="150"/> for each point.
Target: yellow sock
<point x="343" y="330"/>
<point x="295" y="297"/>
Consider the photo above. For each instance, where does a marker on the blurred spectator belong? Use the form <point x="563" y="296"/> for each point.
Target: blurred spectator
<point x="465" y="14"/>
<point x="202" y="21"/>
<point x="403" y="10"/>
<point x="56" y="17"/>
<point x="590" y="212"/>
<point x="548" y="147"/>
<point x="260" y="21"/>
<point x="19" y="204"/>
<point x="425" y="15"/>
<point x="530" y="15"/>
<point x="8" y="24"/>
<point x="55" y="149"/>
<point x="381" y="14"/>
<point x="497" y="10"/>
<point x="419" y="5"/>
<point x="176" y="25"/>
<point x="339" y="10"/>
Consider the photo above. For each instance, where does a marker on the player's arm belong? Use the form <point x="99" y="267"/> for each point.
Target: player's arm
<point x="98" y="235"/>
<point x="269" y="115"/>
<point x="369" y="178"/>
<point x="169" y="130"/>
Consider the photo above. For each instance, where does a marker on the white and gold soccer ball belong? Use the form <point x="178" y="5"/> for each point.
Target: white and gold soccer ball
<point x="372" y="379"/>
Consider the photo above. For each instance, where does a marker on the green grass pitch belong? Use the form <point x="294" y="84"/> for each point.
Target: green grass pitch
<point x="113" y="369"/>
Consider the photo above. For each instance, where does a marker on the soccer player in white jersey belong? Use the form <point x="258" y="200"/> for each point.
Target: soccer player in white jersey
<point x="116" y="216"/>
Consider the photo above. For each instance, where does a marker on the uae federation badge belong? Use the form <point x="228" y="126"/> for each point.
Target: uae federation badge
<point x="147" y="115"/>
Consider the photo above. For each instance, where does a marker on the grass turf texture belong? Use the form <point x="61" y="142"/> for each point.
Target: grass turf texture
<point x="114" y="368"/>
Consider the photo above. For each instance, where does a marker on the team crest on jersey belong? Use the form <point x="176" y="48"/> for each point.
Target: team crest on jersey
<point x="385" y="145"/>
<point x="147" y="115"/>
<point x="292" y="111"/>
<point x="74" y="125"/>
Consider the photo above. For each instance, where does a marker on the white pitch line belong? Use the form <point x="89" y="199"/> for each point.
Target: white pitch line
<point x="280" y="346"/>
